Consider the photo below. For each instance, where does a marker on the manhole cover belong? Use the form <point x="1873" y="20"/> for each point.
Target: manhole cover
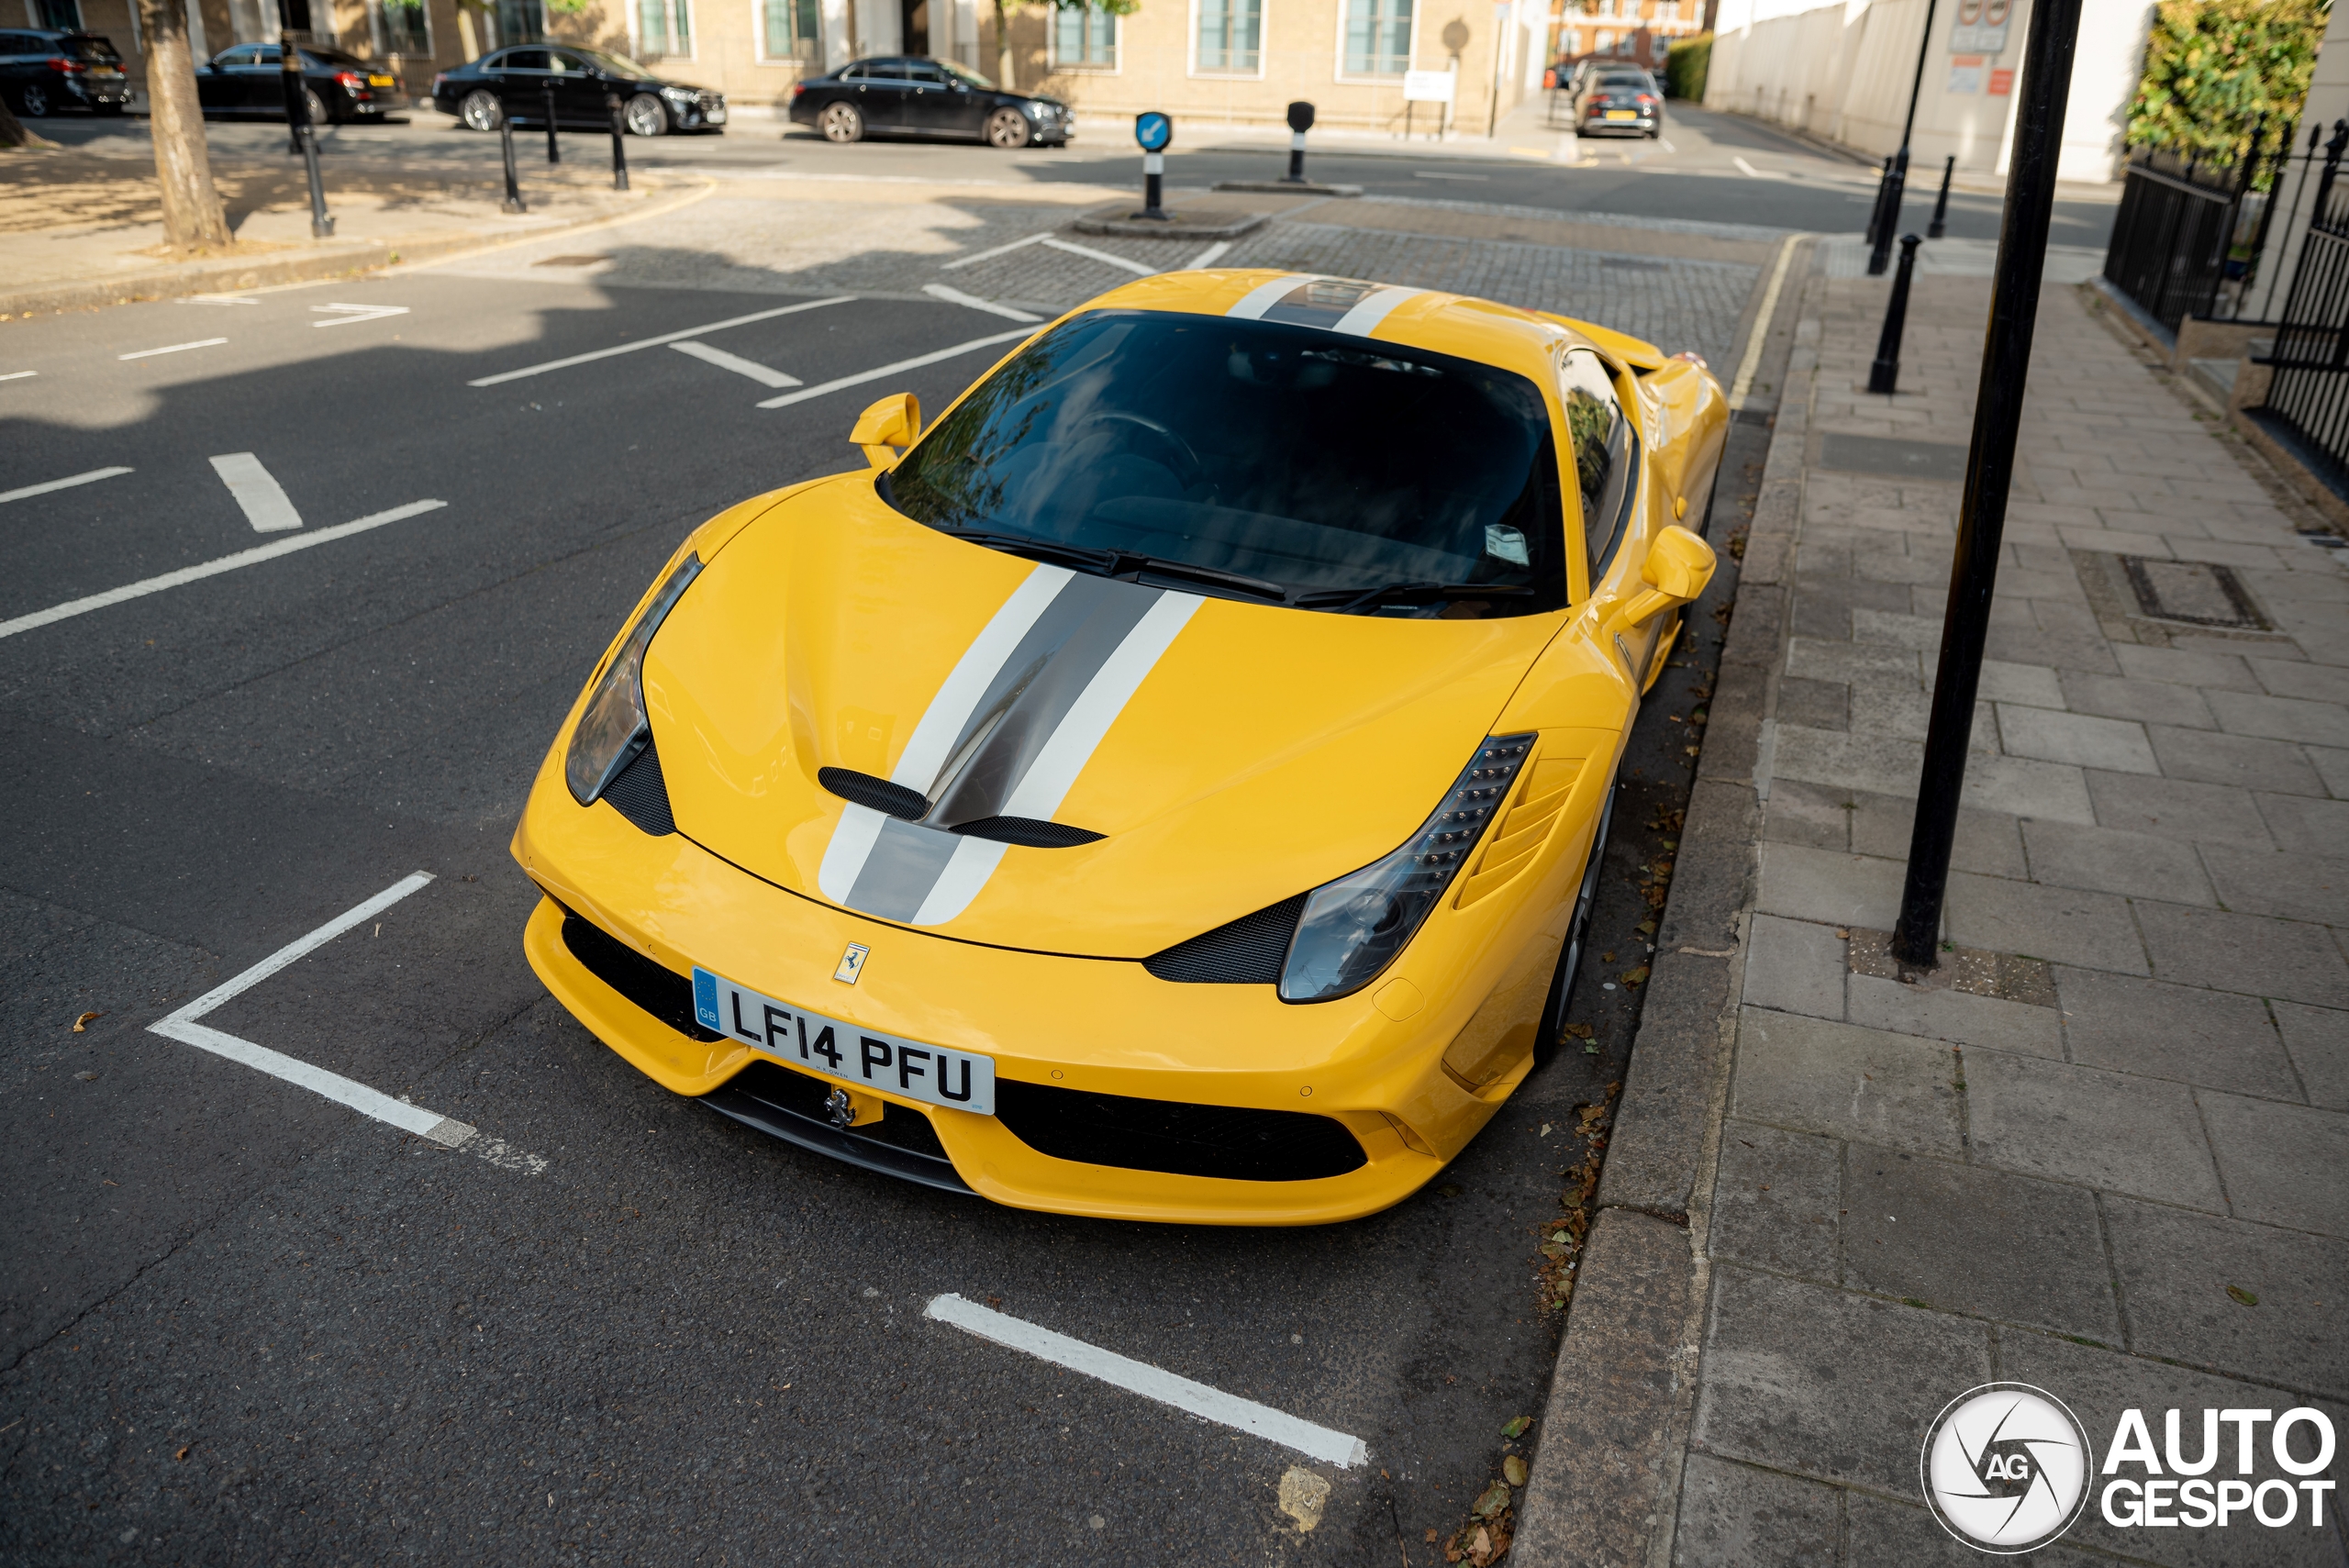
<point x="1935" y="461"/>
<point x="2193" y="591"/>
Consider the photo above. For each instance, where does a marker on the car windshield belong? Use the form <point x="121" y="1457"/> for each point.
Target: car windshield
<point x="985" y="84"/>
<point x="87" y="48"/>
<point x="618" y="64"/>
<point x="1337" y="473"/>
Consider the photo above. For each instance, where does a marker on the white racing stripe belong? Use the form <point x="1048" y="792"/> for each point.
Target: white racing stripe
<point x="67" y="483"/>
<point x="956" y="296"/>
<point x="656" y="343"/>
<point x="256" y="490"/>
<point x="1364" y="318"/>
<point x="1090" y="254"/>
<point x="186" y="575"/>
<point x="1263" y="296"/>
<point x="172" y="348"/>
<point x="1152" y="1382"/>
<point x="764" y="375"/>
<point x="915" y="363"/>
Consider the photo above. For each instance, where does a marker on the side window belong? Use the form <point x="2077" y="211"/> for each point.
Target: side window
<point x="854" y="73"/>
<point x="926" y="75"/>
<point x="524" y="59"/>
<point x="1602" y="438"/>
<point x="569" y="65"/>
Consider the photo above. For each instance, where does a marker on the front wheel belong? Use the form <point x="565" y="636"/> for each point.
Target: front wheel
<point x="1562" y="986"/>
<point x="647" y="115"/>
<point x="841" y="123"/>
<point x="481" y="110"/>
<point x="1007" y="129"/>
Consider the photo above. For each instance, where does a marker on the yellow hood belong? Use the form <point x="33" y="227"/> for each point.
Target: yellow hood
<point x="1229" y="755"/>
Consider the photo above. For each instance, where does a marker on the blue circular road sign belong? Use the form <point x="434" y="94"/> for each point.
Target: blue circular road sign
<point x="1153" y="130"/>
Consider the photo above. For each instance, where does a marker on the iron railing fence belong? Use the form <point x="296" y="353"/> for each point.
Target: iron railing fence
<point x="2308" y="394"/>
<point x="2190" y="232"/>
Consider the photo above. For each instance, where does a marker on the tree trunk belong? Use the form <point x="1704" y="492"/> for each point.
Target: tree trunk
<point x="191" y="217"/>
<point x="12" y="129"/>
<point x="1006" y="68"/>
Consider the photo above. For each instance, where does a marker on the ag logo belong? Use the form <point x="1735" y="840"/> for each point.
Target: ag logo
<point x="2005" y="1468"/>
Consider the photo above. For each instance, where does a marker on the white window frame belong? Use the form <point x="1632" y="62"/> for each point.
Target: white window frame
<point x="379" y="35"/>
<point x="1117" y="66"/>
<point x="760" y="56"/>
<point x="1338" y="71"/>
<point x="1191" y="46"/>
<point x="636" y="23"/>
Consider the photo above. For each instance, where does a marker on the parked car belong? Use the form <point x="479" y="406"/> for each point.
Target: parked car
<point x="44" y="72"/>
<point x="515" y="82"/>
<point x="247" y="81"/>
<point x="917" y="95"/>
<point x="1619" y="98"/>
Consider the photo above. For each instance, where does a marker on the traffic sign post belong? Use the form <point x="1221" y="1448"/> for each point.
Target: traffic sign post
<point x="1152" y="131"/>
<point x="1300" y="120"/>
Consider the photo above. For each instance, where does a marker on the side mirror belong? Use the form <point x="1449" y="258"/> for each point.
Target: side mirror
<point x="890" y="426"/>
<point x="1678" y="566"/>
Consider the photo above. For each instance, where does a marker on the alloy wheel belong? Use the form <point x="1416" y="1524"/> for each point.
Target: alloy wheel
<point x="34" y="99"/>
<point x="841" y="123"/>
<point x="1007" y="129"/>
<point x="481" y="110"/>
<point x="647" y="115"/>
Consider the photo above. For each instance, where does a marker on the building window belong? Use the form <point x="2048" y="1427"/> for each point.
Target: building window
<point x="1231" y="35"/>
<point x="64" y="15"/>
<point x="1378" y="38"/>
<point x="519" y="21"/>
<point x="1570" y="41"/>
<point x="401" y="28"/>
<point x="1086" y="37"/>
<point x="1602" y="43"/>
<point x="665" y="29"/>
<point x="793" y="31"/>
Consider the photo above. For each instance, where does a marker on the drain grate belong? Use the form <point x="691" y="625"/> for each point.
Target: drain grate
<point x="2195" y="592"/>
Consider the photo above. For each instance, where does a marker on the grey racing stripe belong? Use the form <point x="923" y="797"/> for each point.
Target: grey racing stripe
<point x="902" y="867"/>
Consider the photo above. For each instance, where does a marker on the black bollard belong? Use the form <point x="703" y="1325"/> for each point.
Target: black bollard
<point x="1876" y="213"/>
<point x="1300" y="120"/>
<point x="619" y="142"/>
<point x="514" y="202"/>
<point x="321" y="224"/>
<point x="1939" y="224"/>
<point x="546" y="91"/>
<point x="1895" y="184"/>
<point x="1885" y="374"/>
<point x="297" y="101"/>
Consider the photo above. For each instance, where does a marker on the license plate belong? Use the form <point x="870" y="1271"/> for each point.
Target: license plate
<point x="716" y="116"/>
<point x="1623" y="114"/>
<point x="956" y="1079"/>
<point x="379" y="81"/>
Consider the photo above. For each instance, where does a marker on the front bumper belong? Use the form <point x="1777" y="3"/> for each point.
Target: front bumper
<point x="1101" y="1027"/>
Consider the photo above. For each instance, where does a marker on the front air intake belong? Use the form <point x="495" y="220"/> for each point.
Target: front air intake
<point x="667" y="995"/>
<point x="1179" y="1139"/>
<point x="1247" y="951"/>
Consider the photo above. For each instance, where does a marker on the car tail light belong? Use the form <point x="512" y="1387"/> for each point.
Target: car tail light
<point x="797" y="88"/>
<point x="1646" y="100"/>
<point x="70" y="67"/>
<point x="351" y="79"/>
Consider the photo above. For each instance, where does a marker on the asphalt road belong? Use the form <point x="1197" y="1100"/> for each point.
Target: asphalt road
<point x="239" y="1322"/>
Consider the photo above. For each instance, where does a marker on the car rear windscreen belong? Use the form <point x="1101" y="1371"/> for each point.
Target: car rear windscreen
<point x="1314" y="460"/>
<point x="91" y="49"/>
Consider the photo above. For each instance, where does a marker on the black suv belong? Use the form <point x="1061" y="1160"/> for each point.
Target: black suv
<point x="517" y="83"/>
<point x="43" y="71"/>
<point x="916" y="95"/>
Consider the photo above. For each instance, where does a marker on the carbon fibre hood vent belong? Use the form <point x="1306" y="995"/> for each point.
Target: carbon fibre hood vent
<point x="1246" y="952"/>
<point x="910" y="805"/>
<point x="889" y="799"/>
<point x="640" y="794"/>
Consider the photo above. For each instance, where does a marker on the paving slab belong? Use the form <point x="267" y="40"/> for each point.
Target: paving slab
<point x="2282" y="1165"/>
<point x="2318" y="1041"/>
<point x="1814" y="1075"/>
<point x="2111" y="1130"/>
<point x="1755" y="1518"/>
<point x="2215" y="1038"/>
<point x="1776" y="1202"/>
<point x="2262" y="956"/>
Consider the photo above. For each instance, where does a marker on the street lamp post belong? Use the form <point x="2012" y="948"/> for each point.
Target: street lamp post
<point x="1896" y="179"/>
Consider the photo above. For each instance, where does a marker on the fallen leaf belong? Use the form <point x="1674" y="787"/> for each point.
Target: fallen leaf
<point x="183" y="1453"/>
<point x="1580" y="1031"/>
<point x="1606" y="958"/>
<point x="1516" y="1427"/>
<point x="1494" y="1499"/>
<point x="81" y="1024"/>
<point x="2243" y="1295"/>
<point x="1645" y="928"/>
<point x="1637" y="977"/>
<point x="1842" y="934"/>
<point x="1480" y="1551"/>
<point x="1513" y="1471"/>
<point x="1433" y="1537"/>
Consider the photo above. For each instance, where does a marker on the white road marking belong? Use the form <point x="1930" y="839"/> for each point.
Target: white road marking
<point x="216" y="299"/>
<point x="18" y="375"/>
<point x="90" y="478"/>
<point x="182" y="1025"/>
<point x="1753" y="359"/>
<point x="1666" y="144"/>
<point x="1151" y="1383"/>
<point x="1431" y="175"/>
<point x="1751" y="172"/>
<point x="1090" y="254"/>
<point x="351" y="313"/>
<point x="1212" y="254"/>
<point x="172" y="348"/>
<point x="875" y="374"/>
<point x="186" y="575"/>
<point x="956" y="296"/>
<point x="764" y="375"/>
<point x="656" y="343"/>
<point x="977" y="256"/>
<point x="258" y="492"/>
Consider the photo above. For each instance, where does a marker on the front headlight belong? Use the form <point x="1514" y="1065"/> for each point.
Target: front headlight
<point x="614" y="729"/>
<point x="1040" y="111"/>
<point x="1353" y="928"/>
<point x="679" y="94"/>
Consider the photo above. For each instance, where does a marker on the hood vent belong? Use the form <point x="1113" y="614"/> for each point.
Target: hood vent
<point x="911" y="805"/>
<point x="1027" y="830"/>
<point x="641" y="793"/>
<point x="1247" y="952"/>
<point x="889" y="799"/>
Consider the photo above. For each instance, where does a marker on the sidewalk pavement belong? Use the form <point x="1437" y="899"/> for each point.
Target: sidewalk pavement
<point x="2102" y="1149"/>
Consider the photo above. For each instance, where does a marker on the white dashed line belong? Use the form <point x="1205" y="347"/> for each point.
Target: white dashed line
<point x="217" y="299"/>
<point x="656" y="342"/>
<point x="956" y="296"/>
<point x="1090" y="254"/>
<point x="182" y="1025"/>
<point x="878" y="372"/>
<point x="90" y="478"/>
<point x="765" y="375"/>
<point x="1152" y="1382"/>
<point x="977" y="256"/>
<point x="1750" y="171"/>
<point x="174" y="348"/>
<point x="347" y="313"/>
<point x="186" y="575"/>
<point x="257" y="490"/>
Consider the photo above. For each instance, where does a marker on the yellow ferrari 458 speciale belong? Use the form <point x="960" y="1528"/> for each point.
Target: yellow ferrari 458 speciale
<point x="1164" y="787"/>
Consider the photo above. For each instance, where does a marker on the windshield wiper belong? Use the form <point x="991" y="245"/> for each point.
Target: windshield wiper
<point x="1128" y="561"/>
<point x="1345" y="601"/>
<point x="1105" y="562"/>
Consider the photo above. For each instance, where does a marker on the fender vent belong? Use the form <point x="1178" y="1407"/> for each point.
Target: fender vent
<point x="641" y="795"/>
<point x="1029" y="831"/>
<point x="1178" y="1138"/>
<point x="664" y="993"/>
<point x="1247" y="952"/>
<point x="891" y="799"/>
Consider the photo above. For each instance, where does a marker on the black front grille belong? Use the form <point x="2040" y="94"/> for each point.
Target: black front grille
<point x="1177" y="1139"/>
<point x="1030" y="831"/>
<point x="1247" y="952"/>
<point x="641" y="795"/>
<point x="664" y="993"/>
<point x="892" y="799"/>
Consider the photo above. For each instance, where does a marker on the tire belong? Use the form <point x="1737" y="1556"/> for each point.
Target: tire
<point x="1009" y="129"/>
<point x="481" y="110"/>
<point x="841" y="123"/>
<point x="33" y="102"/>
<point x="1562" y="986"/>
<point x="315" y="107"/>
<point x="646" y="114"/>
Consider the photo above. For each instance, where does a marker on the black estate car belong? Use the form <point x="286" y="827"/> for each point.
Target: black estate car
<point x="916" y="95"/>
<point x="248" y="82"/>
<point x="45" y="71"/>
<point x="516" y="84"/>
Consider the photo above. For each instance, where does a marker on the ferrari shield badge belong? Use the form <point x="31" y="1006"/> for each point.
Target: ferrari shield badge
<point x="851" y="964"/>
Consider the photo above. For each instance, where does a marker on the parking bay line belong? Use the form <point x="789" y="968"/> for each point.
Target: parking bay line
<point x="185" y="575"/>
<point x="1090" y="254"/>
<point x="1150" y="1382"/>
<point x="66" y="483"/>
<point x="257" y="492"/>
<point x="956" y="296"/>
<point x="182" y="1025"/>
<point x="18" y="375"/>
<point x="656" y="343"/>
<point x="875" y="374"/>
<point x="172" y="348"/>
<point x="765" y="375"/>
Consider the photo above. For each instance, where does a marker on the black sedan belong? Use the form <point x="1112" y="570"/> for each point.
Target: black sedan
<point x="520" y="84"/>
<point x="1619" y="98"/>
<point x="45" y="71"/>
<point x="247" y="81"/>
<point x="916" y="95"/>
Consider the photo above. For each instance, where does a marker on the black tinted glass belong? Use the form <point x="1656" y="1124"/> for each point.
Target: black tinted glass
<point x="1620" y="79"/>
<point x="334" y="59"/>
<point x="87" y="48"/>
<point x="523" y="60"/>
<point x="1311" y="460"/>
